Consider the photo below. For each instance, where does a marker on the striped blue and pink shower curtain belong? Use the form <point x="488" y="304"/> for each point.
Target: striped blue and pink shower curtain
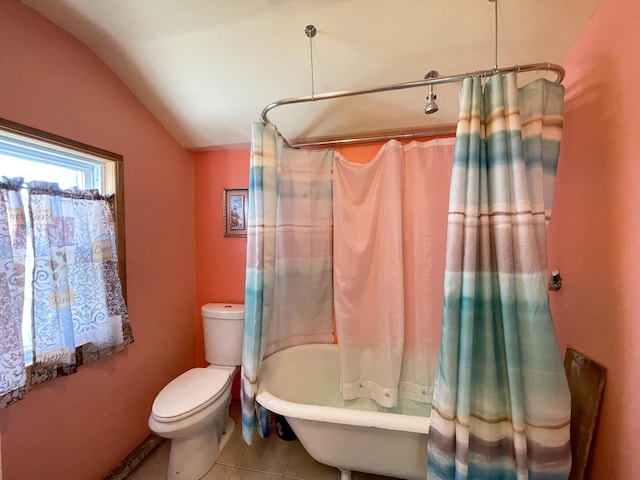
<point x="288" y="289"/>
<point x="260" y="271"/>
<point x="501" y="405"/>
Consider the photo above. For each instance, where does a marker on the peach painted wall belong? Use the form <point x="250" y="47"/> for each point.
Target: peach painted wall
<point x="80" y="427"/>
<point x="220" y="266"/>
<point x="595" y="229"/>
<point x="220" y="269"/>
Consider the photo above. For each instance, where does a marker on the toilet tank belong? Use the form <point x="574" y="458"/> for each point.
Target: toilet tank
<point x="223" y="327"/>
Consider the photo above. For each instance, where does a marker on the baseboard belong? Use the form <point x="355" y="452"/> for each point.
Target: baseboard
<point x="135" y="458"/>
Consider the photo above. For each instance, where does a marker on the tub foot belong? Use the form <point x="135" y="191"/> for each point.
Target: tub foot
<point x="345" y="474"/>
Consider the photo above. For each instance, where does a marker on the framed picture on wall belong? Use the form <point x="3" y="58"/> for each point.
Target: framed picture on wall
<point x="234" y="211"/>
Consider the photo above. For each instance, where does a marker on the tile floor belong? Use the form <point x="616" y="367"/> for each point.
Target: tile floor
<point x="268" y="459"/>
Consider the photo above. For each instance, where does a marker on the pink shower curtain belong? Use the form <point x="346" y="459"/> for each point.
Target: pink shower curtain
<point x="389" y="242"/>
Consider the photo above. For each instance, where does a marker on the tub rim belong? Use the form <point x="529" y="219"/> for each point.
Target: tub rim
<point x="338" y="415"/>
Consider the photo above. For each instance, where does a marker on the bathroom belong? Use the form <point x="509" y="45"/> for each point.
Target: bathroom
<point x="82" y="426"/>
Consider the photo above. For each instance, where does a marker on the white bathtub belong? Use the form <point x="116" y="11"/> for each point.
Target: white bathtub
<point x="302" y="384"/>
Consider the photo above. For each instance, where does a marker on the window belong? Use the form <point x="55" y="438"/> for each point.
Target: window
<point x="36" y="155"/>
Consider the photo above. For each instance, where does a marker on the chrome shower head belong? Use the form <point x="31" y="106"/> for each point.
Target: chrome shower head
<point x="432" y="106"/>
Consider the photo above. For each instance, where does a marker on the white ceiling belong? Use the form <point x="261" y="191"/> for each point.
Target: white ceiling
<point x="207" y="68"/>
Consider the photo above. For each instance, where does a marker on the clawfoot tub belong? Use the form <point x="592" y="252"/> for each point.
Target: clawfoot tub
<point x="302" y="384"/>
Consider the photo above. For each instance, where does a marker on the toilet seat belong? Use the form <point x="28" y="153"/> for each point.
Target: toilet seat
<point x="189" y="393"/>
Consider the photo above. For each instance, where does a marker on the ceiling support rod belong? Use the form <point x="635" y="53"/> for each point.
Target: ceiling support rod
<point x="495" y="22"/>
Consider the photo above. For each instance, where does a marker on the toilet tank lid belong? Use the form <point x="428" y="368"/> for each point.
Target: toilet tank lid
<point x="223" y="310"/>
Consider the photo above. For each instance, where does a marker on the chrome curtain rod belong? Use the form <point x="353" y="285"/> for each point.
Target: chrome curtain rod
<point x="532" y="67"/>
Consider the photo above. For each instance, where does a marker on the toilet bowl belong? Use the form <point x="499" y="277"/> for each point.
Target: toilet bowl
<point x="193" y="409"/>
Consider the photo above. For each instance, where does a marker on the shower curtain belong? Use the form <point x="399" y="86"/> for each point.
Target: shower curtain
<point x="389" y="224"/>
<point x="288" y="289"/>
<point x="501" y="406"/>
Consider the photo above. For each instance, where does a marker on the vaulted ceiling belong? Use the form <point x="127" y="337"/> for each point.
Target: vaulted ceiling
<point x="207" y="68"/>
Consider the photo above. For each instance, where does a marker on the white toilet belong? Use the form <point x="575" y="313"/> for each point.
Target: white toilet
<point x="193" y="409"/>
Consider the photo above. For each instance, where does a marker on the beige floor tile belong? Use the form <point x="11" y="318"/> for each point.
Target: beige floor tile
<point x="154" y="467"/>
<point x="303" y="467"/>
<point x="232" y="452"/>
<point x="268" y="455"/>
<point x="370" y="476"/>
<point x="242" y="474"/>
<point x="219" y="472"/>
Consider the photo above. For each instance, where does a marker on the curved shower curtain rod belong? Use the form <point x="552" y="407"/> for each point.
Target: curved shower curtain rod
<point x="551" y="67"/>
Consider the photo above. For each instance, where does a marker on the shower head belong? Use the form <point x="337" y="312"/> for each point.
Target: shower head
<point x="432" y="106"/>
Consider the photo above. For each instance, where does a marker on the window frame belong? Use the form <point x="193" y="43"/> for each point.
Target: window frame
<point x="118" y="177"/>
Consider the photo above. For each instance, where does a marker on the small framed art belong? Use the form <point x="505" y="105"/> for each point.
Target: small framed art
<point x="234" y="211"/>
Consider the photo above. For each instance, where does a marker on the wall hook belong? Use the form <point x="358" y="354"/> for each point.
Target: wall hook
<point x="555" y="282"/>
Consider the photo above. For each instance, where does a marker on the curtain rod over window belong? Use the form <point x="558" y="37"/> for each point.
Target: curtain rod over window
<point x="429" y="81"/>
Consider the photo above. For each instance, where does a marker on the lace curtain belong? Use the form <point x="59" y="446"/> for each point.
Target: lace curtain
<point x="78" y="310"/>
<point x="13" y="376"/>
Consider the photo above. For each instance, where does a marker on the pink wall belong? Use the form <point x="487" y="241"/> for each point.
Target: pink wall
<point x="220" y="269"/>
<point x="596" y="224"/>
<point x="80" y="427"/>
